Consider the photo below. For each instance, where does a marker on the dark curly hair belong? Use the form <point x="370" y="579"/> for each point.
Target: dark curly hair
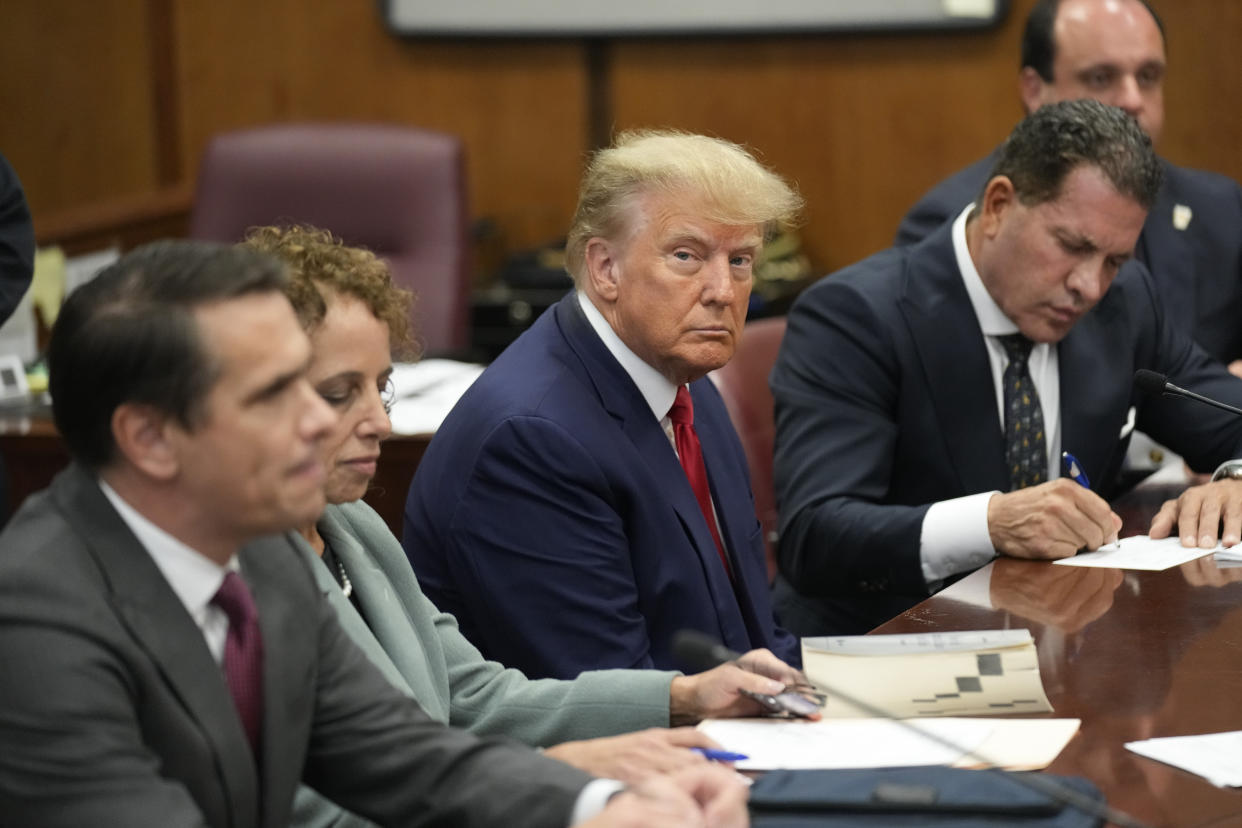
<point x="1055" y="139"/>
<point x="317" y="259"/>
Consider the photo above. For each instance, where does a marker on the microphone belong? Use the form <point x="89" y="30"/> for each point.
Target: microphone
<point x="699" y="652"/>
<point x="702" y="652"/>
<point x="1149" y="382"/>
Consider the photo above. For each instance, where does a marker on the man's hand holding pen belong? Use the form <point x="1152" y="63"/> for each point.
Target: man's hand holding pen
<point x="1052" y="520"/>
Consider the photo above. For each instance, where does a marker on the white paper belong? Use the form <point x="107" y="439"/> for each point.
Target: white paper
<point x="1139" y="552"/>
<point x="772" y="744"/>
<point x="427" y="391"/>
<point x="1217" y="757"/>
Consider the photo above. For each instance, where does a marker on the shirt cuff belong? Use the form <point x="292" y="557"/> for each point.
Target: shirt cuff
<point x="955" y="537"/>
<point x="592" y="799"/>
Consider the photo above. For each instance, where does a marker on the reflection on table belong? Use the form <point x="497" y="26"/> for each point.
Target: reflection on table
<point x="1133" y="654"/>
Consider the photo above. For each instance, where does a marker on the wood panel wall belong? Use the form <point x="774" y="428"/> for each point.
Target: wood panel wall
<point x="115" y="99"/>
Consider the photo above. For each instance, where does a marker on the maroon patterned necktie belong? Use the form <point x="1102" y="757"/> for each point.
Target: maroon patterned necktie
<point x="243" y="654"/>
<point x="690" y="452"/>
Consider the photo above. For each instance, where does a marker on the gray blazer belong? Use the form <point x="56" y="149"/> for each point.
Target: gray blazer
<point x="422" y="652"/>
<point x="113" y="711"/>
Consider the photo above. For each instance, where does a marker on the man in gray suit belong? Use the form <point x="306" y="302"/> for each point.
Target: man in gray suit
<point x="166" y="661"/>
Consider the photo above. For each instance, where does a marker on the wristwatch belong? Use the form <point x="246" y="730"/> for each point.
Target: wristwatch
<point x="1228" y="470"/>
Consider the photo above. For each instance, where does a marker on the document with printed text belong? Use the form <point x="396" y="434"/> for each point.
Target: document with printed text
<point x="984" y="673"/>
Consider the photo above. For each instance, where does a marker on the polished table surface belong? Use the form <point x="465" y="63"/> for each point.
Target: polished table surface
<point x="1133" y="654"/>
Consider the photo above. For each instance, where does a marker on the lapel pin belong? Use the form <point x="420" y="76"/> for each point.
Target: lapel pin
<point x="1181" y="216"/>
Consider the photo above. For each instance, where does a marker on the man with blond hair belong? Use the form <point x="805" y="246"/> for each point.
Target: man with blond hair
<point x="588" y="497"/>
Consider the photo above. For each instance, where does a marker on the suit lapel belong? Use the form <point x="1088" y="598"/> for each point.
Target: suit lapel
<point x="1093" y="409"/>
<point x="388" y="618"/>
<point x="159" y="623"/>
<point x="735" y="510"/>
<point x="956" y="371"/>
<point x="623" y="401"/>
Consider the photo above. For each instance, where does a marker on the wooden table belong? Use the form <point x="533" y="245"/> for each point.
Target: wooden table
<point x="33" y="453"/>
<point x="1133" y="654"/>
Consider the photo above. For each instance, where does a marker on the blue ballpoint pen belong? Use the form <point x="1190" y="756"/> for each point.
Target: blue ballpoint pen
<point x="1074" y="469"/>
<point x="720" y="755"/>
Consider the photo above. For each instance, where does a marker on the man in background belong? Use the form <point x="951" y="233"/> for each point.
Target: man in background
<point x="1113" y="51"/>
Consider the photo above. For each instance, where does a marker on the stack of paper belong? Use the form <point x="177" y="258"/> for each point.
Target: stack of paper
<point x="879" y="690"/>
<point x="774" y="744"/>
<point x="426" y="391"/>
<point x="1233" y="554"/>
<point x="930" y="674"/>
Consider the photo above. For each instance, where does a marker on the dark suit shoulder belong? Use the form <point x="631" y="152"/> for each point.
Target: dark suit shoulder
<point x="1188" y="181"/>
<point x="944" y="201"/>
<point x="877" y="281"/>
<point x="44" y="562"/>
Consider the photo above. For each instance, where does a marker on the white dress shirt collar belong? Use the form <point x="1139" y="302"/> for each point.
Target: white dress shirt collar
<point x="193" y="577"/>
<point x="991" y="318"/>
<point x="654" y="386"/>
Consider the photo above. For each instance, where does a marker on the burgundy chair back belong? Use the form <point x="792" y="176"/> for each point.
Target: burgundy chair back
<point x="399" y="191"/>
<point x="743" y="383"/>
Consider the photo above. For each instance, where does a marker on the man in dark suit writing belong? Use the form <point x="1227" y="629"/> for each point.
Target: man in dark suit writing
<point x="587" y="498"/>
<point x="924" y="395"/>
<point x="162" y="667"/>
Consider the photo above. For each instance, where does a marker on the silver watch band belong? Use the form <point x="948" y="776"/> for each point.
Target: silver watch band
<point x="1228" y="470"/>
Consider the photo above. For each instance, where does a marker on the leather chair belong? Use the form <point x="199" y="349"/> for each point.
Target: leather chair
<point x="399" y="191"/>
<point x="743" y="382"/>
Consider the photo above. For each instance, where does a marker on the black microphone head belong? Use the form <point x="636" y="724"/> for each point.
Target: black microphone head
<point x="1149" y="382"/>
<point x="698" y="651"/>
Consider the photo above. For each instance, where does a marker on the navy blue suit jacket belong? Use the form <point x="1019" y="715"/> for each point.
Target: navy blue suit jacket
<point x="1197" y="270"/>
<point x="551" y="516"/>
<point x="885" y="404"/>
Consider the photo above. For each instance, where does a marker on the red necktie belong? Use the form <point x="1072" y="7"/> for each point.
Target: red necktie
<point x="243" y="654"/>
<point x="690" y="452"/>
